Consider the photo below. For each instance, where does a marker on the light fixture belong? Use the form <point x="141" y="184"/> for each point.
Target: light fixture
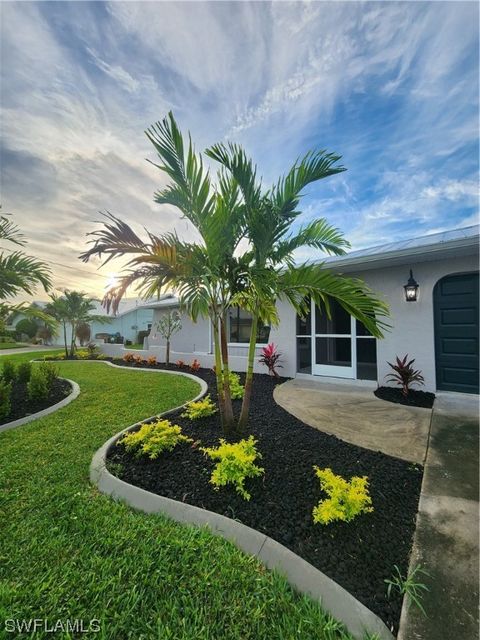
<point x="411" y="289"/>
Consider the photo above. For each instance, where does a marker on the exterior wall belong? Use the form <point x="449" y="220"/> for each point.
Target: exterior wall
<point x="139" y="318"/>
<point x="412" y="323"/>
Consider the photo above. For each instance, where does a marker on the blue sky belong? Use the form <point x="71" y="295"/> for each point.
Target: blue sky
<point x="392" y="87"/>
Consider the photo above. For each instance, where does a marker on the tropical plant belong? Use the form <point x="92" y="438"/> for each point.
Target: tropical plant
<point x="154" y="438"/>
<point x="19" y="272"/>
<point x="236" y="389"/>
<point x="346" y="499"/>
<point x="408" y="585"/>
<point x="270" y="357"/>
<point x="45" y="333"/>
<point x="72" y="309"/>
<point x="199" y="408"/>
<point x="213" y="275"/>
<point x="272" y="272"/>
<point x="83" y="332"/>
<point x="169" y="324"/>
<point x="236" y="463"/>
<point x="195" y="365"/>
<point x="405" y="375"/>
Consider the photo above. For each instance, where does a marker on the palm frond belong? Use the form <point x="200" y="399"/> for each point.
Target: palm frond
<point x="115" y="239"/>
<point x="22" y="273"/>
<point x="314" y="281"/>
<point x="314" y="166"/>
<point x="190" y="190"/>
<point x="9" y="231"/>
<point x="318" y="234"/>
<point x="234" y="159"/>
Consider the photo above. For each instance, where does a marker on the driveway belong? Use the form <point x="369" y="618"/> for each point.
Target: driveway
<point x="354" y="414"/>
<point x="447" y="533"/>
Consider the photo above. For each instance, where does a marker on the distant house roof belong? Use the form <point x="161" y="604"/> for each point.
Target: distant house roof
<point x="447" y="244"/>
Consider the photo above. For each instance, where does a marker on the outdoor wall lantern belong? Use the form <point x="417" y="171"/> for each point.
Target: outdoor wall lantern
<point x="411" y="289"/>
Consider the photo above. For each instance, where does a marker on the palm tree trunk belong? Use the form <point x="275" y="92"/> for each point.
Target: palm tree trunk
<point x="72" y="343"/>
<point x="218" y="372"/>
<point x="229" y="419"/>
<point x="167" y="353"/>
<point x="243" y="420"/>
<point x="65" y="337"/>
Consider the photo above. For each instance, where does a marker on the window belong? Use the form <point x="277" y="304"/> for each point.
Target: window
<point x="241" y="325"/>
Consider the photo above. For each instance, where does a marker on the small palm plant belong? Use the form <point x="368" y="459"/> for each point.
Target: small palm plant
<point x="405" y="375"/>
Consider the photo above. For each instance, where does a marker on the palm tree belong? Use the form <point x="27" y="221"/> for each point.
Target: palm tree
<point x="73" y="308"/>
<point x="210" y="277"/>
<point x="203" y="274"/>
<point x="273" y="274"/>
<point x="19" y="272"/>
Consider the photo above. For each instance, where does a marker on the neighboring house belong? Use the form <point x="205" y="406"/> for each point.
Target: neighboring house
<point x="131" y="318"/>
<point x="438" y="327"/>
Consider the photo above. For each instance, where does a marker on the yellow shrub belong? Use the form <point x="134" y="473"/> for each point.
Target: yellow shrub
<point x="199" y="409"/>
<point x="236" y="464"/>
<point x="154" y="438"/>
<point x="346" y="499"/>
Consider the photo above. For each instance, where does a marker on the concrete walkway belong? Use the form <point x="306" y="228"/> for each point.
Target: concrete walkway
<point x="447" y="534"/>
<point x="354" y="414"/>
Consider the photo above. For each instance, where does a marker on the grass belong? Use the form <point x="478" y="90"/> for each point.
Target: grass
<point x="135" y="345"/>
<point x="11" y="345"/>
<point x="67" y="552"/>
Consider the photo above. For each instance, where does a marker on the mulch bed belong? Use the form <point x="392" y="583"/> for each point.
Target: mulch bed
<point x="358" y="555"/>
<point x="22" y="406"/>
<point x="415" y="398"/>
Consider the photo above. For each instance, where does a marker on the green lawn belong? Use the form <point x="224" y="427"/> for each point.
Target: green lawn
<point x="11" y="345"/>
<point x="135" y="345"/>
<point x="68" y="552"/>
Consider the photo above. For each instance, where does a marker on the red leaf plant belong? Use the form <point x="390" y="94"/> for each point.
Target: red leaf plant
<point x="405" y="375"/>
<point x="270" y="358"/>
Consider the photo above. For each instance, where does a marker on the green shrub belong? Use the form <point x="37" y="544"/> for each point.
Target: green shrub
<point x="236" y="464"/>
<point x="38" y="387"/>
<point x="50" y="371"/>
<point x="199" y="409"/>
<point x="5" y="402"/>
<point x="9" y="371"/>
<point x="236" y="389"/>
<point x="24" y="371"/>
<point x="26" y="326"/>
<point x="347" y="499"/>
<point x="154" y="438"/>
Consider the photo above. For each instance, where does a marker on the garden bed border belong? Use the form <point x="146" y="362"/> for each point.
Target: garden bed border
<point x="45" y="412"/>
<point x="301" y="575"/>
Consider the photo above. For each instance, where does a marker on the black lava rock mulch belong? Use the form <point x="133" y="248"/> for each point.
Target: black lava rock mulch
<point x="358" y="555"/>
<point x="21" y="406"/>
<point x="415" y="398"/>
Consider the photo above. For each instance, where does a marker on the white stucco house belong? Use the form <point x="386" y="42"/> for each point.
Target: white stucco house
<point x="437" y="323"/>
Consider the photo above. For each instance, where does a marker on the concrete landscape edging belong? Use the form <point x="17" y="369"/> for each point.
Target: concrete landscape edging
<point x="45" y="412"/>
<point x="304" y="577"/>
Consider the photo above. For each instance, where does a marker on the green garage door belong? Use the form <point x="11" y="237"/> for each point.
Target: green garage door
<point x="455" y="301"/>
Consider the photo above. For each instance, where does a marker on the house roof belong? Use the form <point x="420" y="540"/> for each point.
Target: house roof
<point x="447" y="244"/>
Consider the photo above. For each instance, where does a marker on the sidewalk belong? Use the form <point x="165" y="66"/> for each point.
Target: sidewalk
<point x="446" y="538"/>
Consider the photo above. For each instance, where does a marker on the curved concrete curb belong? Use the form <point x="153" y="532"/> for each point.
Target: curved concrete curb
<point x="202" y="383"/>
<point x="45" y="412"/>
<point x="299" y="573"/>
